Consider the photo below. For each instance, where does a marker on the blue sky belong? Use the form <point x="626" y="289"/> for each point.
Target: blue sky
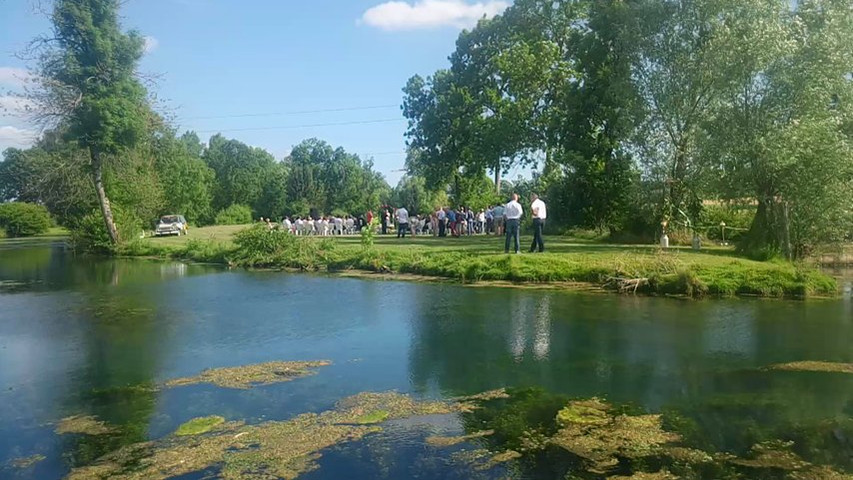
<point x="222" y="65"/>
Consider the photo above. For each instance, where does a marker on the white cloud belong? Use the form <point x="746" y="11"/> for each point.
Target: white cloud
<point x="151" y="44"/>
<point x="14" y="106"/>
<point x="14" y="77"/>
<point x="16" y="137"/>
<point x="424" y="14"/>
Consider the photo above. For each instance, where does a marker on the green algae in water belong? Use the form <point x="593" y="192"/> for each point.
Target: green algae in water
<point x="662" y="475"/>
<point x="275" y="449"/>
<point x="812" y="366"/>
<point x="438" y="441"/>
<point x="199" y="425"/>
<point x="377" y="416"/>
<point x="26" y="462"/>
<point x="84" y="425"/>
<point x="591" y="412"/>
<point x="248" y="376"/>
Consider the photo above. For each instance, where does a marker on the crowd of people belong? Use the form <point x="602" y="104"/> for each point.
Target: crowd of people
<point x="500" y="220"/>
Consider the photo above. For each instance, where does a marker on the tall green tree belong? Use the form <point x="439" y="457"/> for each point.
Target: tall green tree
<point x="599" y="114"/>
<point x="677" y="75"/>
<point x="88" y="75"/>
<point x="779" y="128"/>
<point x="244" y="174"/>
<point x="411" y="192"/>
<point x="187" y="181"/>
<point x="326" y="178"/>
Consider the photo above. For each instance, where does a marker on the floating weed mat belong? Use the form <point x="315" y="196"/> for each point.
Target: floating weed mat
<point x="200" y="425"/>
<point x="602" y="439"/>
<point x="277" y="449"/>
<point x="83" y="425"/>
<point x="26" y="462"/>
<point x="482" y="459"/>
<point x="248" y="376"/>
<point x="812" y="366"/>
<point x="439" y="441"/>
<point x="591" y="439"/>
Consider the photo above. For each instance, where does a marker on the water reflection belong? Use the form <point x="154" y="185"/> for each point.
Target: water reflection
<point x="87" y="336"/>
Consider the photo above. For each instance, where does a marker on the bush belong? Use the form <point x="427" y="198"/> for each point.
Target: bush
<point x="19" y="219"/>
<point x="234" y="215"/>
<point x="90" y="233"/>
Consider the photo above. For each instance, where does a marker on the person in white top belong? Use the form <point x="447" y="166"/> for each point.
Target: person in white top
<point x="441" y="216"/>
<point x="540" y="213"/>
<point x="512" y="216"/>
<point x="286" y="225"/>
<point x="402" y="222"/>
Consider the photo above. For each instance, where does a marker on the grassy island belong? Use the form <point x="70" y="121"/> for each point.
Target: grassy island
<point x="646" y="269"/>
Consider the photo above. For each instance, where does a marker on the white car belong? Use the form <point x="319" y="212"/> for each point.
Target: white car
<point x="171" y="225"/>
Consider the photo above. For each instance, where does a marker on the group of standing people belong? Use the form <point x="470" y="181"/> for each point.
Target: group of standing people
<point x="499" y="220"/>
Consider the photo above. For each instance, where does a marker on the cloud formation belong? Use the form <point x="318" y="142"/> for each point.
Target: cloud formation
<point x="16" y="137"/>
<point x="427" y="14"/>
<point x="151" y="44"/>
<point x="12" y="105"/>
<point x="14" y="77"/>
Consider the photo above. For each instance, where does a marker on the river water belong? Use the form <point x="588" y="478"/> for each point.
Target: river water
<point x="79" y="335"/>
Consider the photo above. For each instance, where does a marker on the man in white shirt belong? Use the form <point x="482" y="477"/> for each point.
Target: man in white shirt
<point x="442" y="222"/>
<point x="512" y="216"/>
<point x="540" y="213"/>
<point x="402" y="222"/>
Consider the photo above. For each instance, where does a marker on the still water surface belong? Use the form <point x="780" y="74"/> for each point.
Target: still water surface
<point x="75" y="333"/>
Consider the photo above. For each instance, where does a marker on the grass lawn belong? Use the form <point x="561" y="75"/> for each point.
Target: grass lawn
<point x="679" y="270"/>
<point x="219" y="233"/>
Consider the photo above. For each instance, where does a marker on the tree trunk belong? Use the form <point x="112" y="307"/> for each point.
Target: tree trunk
<point x="498" y="178"/>
<point x="103" y="201"/>
<point x="769" y="231"/>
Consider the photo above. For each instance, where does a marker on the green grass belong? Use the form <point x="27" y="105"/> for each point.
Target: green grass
<point x="679" y="271"/>
<point x="218" y="233"/>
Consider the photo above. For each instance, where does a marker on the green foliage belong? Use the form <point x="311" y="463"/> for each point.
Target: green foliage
<point x="368" y="233"/>
<point x="186" y="180"/>
<point x="411" y="192"/>
<point x="19" y="219"/>
<point x="54" y="174"/>
<point x="90" y="234"/>
<point x="234" y="215"/>
<point x="327" y="179"/>
<point x="96" y="61"/>
<point x="258" y="246"/>
<point x="244" y="175"/>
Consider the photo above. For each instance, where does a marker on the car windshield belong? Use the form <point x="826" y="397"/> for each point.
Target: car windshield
<point x="169" y="219"/>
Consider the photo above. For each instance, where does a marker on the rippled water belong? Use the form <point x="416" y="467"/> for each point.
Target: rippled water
<point x="75" y="334"/>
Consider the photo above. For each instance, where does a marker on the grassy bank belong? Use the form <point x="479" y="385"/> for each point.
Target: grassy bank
<point x="640" y="268"/>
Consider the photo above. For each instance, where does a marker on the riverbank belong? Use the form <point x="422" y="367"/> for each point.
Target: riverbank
<point x="626" y="268"/>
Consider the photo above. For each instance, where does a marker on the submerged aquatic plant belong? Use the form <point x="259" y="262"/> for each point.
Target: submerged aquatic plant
<point x="248" y="376"/>
<point x="24" y="463"/>
<point x="275" y="449"/>
<point x="813" y="366"/>
<point x="83" y="424"/>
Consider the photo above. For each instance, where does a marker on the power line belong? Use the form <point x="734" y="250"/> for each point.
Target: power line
<point x="288" y="127"/>
<point x="296" y="112"/>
